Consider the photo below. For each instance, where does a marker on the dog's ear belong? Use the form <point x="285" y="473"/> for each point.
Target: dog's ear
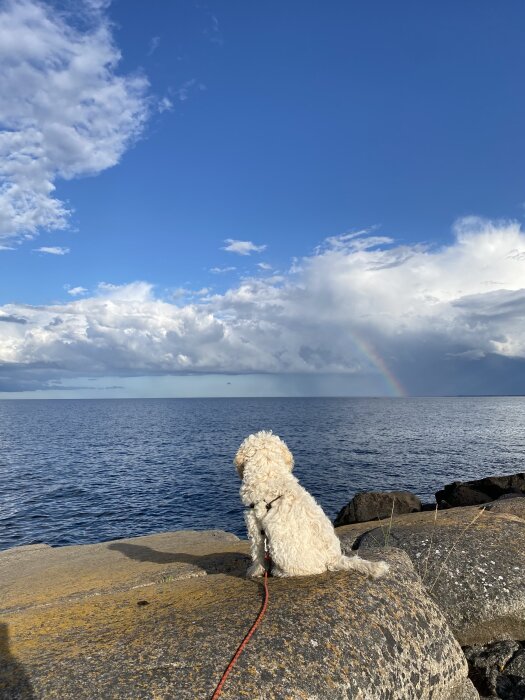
<point x="239" y="460"/>
<point x="244" y="453"/>
<point x="287" y="456"/>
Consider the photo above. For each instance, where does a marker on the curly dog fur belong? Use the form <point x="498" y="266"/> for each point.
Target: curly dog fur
<point x="301" y="539"/>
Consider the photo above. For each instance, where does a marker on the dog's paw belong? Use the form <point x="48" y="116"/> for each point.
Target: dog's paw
<point x="378" y="569"/>
<point x="255" y="570"/>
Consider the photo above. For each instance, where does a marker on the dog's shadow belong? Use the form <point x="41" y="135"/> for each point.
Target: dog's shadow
<point x="229" y="563"/>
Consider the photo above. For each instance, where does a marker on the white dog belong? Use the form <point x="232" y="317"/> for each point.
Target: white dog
<point x="300" y="538"/>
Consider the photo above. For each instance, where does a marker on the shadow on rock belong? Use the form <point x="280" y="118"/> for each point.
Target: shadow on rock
<point x="14" y="682"/>
<point x="230" y="563"/>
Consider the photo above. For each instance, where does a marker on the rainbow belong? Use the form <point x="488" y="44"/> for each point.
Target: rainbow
<point x="373" y="357"/>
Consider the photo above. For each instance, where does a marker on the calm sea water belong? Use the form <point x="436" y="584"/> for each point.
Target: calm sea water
<point x="84" y="471"/>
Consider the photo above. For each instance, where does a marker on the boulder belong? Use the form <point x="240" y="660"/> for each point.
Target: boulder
<point x="511" y="685"/>
<point x="375" y="505"/>
<point x="472" y="562"/>
<point x="498" y="670"/>
<point x="461" y="495"/>
<point x="470" y="493"/>
<point x="511" y="504"/>
<point x="160" y="617"/>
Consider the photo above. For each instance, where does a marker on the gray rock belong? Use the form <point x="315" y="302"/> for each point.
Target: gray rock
<point x="465" y="691"/>
<point x="511" y="504"/>
<point x="461" y="495"/>
<point x="486" y="664"/>
<point x="498" y="670"/>
<point x="375" y="505"/>
<point x="330" y="637"/>
<point x="473" y="564"/>
<point x="480" y="491"/>
<point x="517" y="666"/>
<point x="511" y="684"/>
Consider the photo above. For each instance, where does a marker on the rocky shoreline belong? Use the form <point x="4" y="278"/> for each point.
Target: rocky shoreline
<point x="472" y="565"/>
<point x="159" y="616"/>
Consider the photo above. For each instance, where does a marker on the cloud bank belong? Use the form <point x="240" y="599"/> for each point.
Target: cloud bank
<point x="64" y="110"/>
<point x="448" y="320"/>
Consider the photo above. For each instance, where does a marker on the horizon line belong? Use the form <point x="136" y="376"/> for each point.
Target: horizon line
<point x="327" y="396"/>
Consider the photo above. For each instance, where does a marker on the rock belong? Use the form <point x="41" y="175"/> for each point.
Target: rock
<point x="481" y="491"/>
<point x="375" y="505"/>
<point x="498" y="670"/>
<point x="160" y="617"/>
<point x="92" y="568"/>
<point x="23" y="550"/>
<point x="428" y="506"/>
<point x="473" y="564"/>
<point x="511" y="504"/>
<point x="462" y="495"/>
<point x="511" y="685"/>
<point x="487" y="663"/>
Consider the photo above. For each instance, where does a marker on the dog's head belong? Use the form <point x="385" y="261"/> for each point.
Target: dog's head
<point x="267" y="448"/>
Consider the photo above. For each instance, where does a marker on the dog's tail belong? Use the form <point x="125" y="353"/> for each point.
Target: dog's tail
<point x="374" y="569"/>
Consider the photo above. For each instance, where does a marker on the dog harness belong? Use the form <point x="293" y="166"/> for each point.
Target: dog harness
<point x="268" y="505"/>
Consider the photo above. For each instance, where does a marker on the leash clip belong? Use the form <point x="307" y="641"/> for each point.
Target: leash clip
<point x="267" y="557"/>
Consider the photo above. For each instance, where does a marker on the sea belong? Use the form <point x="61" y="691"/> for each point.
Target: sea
<point x="84" y="471"/>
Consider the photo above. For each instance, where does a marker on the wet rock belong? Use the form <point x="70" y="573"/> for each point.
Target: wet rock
<point x="480" y="491"/>
<point x="375" y="505"/>
<point x="472" y="562"/>
<point x="498" y="670"/>
<point x="329" y="637"/>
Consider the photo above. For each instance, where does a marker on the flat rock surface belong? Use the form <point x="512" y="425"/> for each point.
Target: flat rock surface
<point x="472" y="562"/>
<point x="144" y="621"/>
<point x="39" y="574"/>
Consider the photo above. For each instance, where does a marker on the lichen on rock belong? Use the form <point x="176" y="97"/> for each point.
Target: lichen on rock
<point x="142" y="632"/>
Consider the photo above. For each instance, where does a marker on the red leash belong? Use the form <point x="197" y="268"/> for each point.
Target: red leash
<point x="218" y="689"/>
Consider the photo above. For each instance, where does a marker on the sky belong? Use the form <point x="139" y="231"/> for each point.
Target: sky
<point x="261" y="199"/>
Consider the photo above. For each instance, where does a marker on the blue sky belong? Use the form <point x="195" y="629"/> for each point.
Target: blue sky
<point x="261" y="198"/>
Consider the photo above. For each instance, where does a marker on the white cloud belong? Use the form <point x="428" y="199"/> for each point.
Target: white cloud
<point x="264" y="266"/>
<point x="221" y="270"/>
<point x="64" y="110"/>
<point x="183" y="293"/>
<point x="242" y="247"/>
<point x="52" y="250"/>
<point x="183" y="93"/>
<point x="213" y="32"/>
<point x="153" y="45"/>
<point x="77" y="291"/>
<point x="165" y="105"/>
<point x="352" y="308"/>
